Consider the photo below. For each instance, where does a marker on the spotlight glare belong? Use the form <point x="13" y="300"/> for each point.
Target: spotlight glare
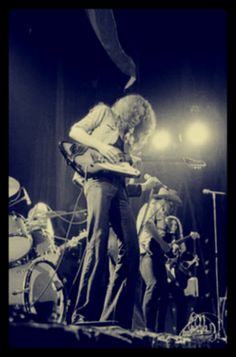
<point x="161" y="139"/>
<point x="197" y="134"/>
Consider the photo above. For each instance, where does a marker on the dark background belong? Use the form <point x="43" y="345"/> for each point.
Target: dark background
<point x="58" y="70"/>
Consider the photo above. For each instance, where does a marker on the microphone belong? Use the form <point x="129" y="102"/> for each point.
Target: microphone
<point x="147" y="177"/>
<point x="206" y="191"/>
<point x="27" y="198"/>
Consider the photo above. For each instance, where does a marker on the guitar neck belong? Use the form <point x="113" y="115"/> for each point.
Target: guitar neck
<point x="89" y="161"/>
<point x="181" y="240"/>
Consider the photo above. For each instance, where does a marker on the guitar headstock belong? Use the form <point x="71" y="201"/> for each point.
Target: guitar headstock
<point x="193" y="163"/>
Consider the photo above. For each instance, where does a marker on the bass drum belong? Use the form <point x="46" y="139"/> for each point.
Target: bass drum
<point x="36" y="292"/>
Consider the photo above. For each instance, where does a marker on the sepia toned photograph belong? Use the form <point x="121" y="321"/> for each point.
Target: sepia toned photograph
<point x="117" y="178"/>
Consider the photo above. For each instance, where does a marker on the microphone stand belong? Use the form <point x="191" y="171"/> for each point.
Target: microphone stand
<point x="216" y="264"/>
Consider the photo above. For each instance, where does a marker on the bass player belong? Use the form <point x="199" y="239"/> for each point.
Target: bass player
<point x="159" y="232"/>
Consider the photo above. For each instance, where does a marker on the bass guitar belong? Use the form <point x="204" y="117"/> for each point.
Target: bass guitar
<point x="85" y="161"/>
<point x="178" y="268"/>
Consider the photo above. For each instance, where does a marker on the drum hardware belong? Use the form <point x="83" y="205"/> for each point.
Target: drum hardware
<point x="25" y="197"/>
<point x="16" y="292"/>
<point x="18" y="233"/>
<point x="58" y="284"/>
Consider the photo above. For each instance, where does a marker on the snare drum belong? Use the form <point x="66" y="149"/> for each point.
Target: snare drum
<point x="20" y="241"/>
<point x="35" y="290"/>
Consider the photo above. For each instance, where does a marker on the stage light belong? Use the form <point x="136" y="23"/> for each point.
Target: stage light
<point x="161" y="140"/>
<point x="197" y="134"/>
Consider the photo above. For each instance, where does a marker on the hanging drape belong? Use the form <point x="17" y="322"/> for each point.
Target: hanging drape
<point x="104" y="25"/>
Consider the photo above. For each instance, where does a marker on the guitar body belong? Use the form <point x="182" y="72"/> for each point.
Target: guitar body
<point x="177" y="274"/>
<point x="179" y="267"/>
<point x="179" y="270"/>
<point x="182" y="276"/>
<point x="86" y="160"/>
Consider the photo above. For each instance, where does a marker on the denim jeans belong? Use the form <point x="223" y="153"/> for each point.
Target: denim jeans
<point x="107" y="203"/>
<point x="153" y="274"/>
<point x="158" y="291"/>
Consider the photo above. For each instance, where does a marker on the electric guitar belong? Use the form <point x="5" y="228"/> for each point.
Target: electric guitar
<point x="177" y="268"/>
<point x="188" y="161"/>
<point x="85" y="160"/>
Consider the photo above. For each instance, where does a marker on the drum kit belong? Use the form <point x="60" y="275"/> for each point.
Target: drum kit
<point x="36" y="291"/>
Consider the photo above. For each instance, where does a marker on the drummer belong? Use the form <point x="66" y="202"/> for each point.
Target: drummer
<point x="38" y="219"/>
<point x="39" y="222"/>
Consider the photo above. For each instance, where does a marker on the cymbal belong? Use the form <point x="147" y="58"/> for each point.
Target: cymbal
<point x="13" y="187"/>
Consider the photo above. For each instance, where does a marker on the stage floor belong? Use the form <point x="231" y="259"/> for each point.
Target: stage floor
<point x="99" y="335"/>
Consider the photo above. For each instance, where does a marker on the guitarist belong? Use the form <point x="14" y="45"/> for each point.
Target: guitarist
<point x="126" y="125"/>
<point x="156" y="234"/>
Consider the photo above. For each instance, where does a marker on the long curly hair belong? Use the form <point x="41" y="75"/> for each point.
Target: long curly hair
<point x="135" y="112"/>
